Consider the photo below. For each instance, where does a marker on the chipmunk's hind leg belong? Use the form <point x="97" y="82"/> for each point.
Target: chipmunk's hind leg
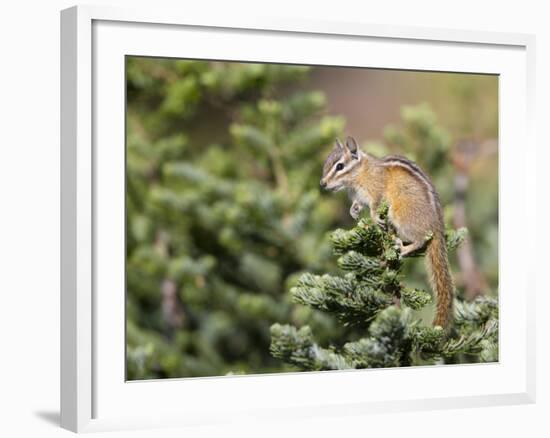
<point x="413" y="232"/>
<point x="411" y="248"/>
<point x="414" y="240"/>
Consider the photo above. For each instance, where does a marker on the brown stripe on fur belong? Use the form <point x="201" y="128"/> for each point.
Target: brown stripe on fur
<point x="404" y="163"/>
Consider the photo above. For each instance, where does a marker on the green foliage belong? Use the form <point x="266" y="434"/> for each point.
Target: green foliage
<point x="372" y="295"/>
<point x="222" y="210"/>
<point x="297" y="348"/>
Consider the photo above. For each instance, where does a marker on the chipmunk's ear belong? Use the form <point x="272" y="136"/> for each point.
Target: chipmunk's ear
<point x="351" y="145"/>
<point x="339" y="144"/>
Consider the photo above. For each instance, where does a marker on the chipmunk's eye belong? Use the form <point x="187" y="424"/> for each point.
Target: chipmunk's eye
<point x="339" y="167"/>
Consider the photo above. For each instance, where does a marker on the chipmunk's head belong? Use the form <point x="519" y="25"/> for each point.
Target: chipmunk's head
<point x="340" y="167"/>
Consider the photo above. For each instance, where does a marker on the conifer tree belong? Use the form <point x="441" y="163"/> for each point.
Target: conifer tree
<point x="373" y="296"/>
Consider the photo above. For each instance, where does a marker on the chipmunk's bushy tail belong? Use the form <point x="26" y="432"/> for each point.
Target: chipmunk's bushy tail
<point x="440" y="279"/>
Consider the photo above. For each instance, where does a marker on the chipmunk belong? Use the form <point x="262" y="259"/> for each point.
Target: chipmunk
<point x="414" y="209"/>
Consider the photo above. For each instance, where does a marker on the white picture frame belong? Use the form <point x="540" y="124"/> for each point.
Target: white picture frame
<point x="94" y="395"/>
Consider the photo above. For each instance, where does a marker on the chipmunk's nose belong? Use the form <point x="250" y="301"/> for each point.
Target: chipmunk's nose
<point x="323" y="184"/>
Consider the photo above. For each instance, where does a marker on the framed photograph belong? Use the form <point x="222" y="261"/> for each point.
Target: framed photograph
<point x="267" y="218"/>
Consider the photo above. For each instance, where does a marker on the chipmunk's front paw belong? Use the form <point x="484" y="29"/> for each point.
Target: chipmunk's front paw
<point x="355" y="210"/>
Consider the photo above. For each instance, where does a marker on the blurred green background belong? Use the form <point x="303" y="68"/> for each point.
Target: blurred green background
<point x="223" y="203"/>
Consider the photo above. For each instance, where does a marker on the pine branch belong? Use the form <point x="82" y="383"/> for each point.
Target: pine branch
<point x="387" y="344"/>
<point x="367" y="296"/>
<point x="297" y="347"/>
<point x="471" y="343"/>
<point x="351" y="301"/>
<point x="478" y="312"/>
<point x="416" y="299"/>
